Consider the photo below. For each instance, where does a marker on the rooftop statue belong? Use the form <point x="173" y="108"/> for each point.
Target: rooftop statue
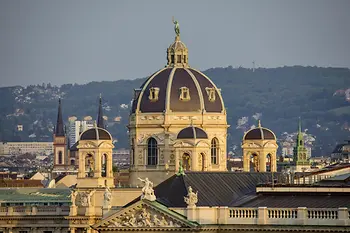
<point x="107" y="196"/>
<point x="147" y="190"/>
<point x="176" y="27"/>
<point x="192" y="198"/>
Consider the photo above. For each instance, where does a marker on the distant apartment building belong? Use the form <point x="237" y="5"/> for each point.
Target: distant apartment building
<point x="77" y="127"/>
<point x="121" y="157"/>
<point x="18" y="148"/>
<point x="288" y="149"/>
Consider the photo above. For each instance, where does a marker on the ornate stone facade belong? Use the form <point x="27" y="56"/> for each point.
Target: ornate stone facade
<point x="170" y="100"/>
<point x="260" y="147"/>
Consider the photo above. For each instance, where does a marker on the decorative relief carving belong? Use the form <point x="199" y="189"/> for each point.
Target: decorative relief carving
<point x="253" y="145"/>
<point x="84" y="199"/>
<point x="87" y="145"/>
<point x="143" y="217"/>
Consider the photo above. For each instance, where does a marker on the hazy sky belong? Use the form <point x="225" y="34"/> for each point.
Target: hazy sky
<point x="66" y="41"/>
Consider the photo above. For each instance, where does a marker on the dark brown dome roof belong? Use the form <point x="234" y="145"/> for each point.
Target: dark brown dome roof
<point x="259" y="134"/>
<point x="95" y="134"/>
<point x="169" y="81"/>
<point x="192" y="133"/>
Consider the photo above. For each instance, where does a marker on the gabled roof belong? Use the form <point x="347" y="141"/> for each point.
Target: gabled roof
<point x="145" y="214"/>
<point x="214" y="188"/>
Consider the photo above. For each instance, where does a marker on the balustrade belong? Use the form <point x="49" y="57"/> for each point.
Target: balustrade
<point x="244" y="213"/>
<point x="322" y="213"/>
<point x="289" y="216"/>
<point x="282" y="213"/>
<point x="34" y="210"/>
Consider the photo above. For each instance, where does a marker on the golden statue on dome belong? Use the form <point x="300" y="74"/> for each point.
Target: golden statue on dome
<point x="176" y="27"/>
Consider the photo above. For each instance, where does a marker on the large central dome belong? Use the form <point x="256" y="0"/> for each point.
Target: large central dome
<point x="177" y="87"/>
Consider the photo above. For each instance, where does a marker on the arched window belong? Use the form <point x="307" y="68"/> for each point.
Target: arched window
<point x="60" y="157"/>
<point x="104" y="165"/>
<point x="214" y="151"/>
<point x="152" y="152"/>
<point x="72" y="162"/>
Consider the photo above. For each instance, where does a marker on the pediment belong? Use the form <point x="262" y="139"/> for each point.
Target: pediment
<point x="106" y="145"/>
<point x="202" y="143"/>
<point x="180" y="143"/>
<point x="269" y="144"/>
<point x="144" y="214"/>
<point x="87" y="144"/>
<point x="251" y="145"/>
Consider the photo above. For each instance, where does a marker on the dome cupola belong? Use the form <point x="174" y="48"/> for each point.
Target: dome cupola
<point x="178" y="87"/>
<point x="177" y="53"/>
<point x="259" y="133"/>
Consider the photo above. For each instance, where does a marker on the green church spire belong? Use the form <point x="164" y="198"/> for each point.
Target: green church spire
<point x="300" y="151"/>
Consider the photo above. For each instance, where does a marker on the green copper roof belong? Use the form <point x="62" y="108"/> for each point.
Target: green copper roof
<point x="11" y="195"/>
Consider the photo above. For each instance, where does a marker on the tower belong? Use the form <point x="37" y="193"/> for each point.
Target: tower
<point x="260" y="147"/>
<point x="170" y="100"/>
<point x="300" y="158"/>
<point x="100" y="121"/>
<point x="95" y="146"/>
<point x="59" y="142"/>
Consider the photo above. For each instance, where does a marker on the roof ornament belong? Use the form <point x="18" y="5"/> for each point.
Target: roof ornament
<point x="176" y="27"/>
<point x="259" y="123"/>
<point x="192" y="198"/>
<point x="181" y="171"/>
<point x="147" y="190"/>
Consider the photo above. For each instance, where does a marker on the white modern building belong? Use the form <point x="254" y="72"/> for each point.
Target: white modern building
<point x="76" y="127"/>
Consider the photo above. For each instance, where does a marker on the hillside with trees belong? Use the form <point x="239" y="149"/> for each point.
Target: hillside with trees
<point x="277" y="96"/>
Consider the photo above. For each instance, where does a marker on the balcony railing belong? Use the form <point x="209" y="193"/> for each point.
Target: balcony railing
<point x="34" y="210"/>
<point x="289" y="216"/>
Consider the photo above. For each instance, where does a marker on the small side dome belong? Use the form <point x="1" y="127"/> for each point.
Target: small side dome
<point x="95" y="134"/>
<point x="259" y="133"/>
<point x="192" y="133"/>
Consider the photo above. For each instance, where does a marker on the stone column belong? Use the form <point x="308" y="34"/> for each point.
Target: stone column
<point x="262" y="215"/>
<point x="194" y="160"/>
<point x="191" y="213"/>
<point x="246" y="162"/>
<point x="273" y="162"/>
<point x="343" y="215"/>
<point x="223" y="215"/>
<point x="302" y="215"/>
<point x="98" y="162"/>
<point x="109" y="166"/>
<point x="81" y="169"/>
<point x="73" y="210"/>
<point x="72" y="230"/>
<point x="262" y="162"/>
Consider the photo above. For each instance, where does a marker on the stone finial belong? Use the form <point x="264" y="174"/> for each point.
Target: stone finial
<point x="192" y="198"/>
<point x="147" y="190"/>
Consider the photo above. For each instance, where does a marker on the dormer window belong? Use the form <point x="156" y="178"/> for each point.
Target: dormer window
<point x="184" y="94"/>
<point x="210" y="93"/>
<point x="153" y="94"/>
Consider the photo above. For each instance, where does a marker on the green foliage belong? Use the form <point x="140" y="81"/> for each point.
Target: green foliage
<point x="280" y="94"/>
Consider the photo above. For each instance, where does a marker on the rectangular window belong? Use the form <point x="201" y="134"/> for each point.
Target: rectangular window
<point x="179" y="59"/>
